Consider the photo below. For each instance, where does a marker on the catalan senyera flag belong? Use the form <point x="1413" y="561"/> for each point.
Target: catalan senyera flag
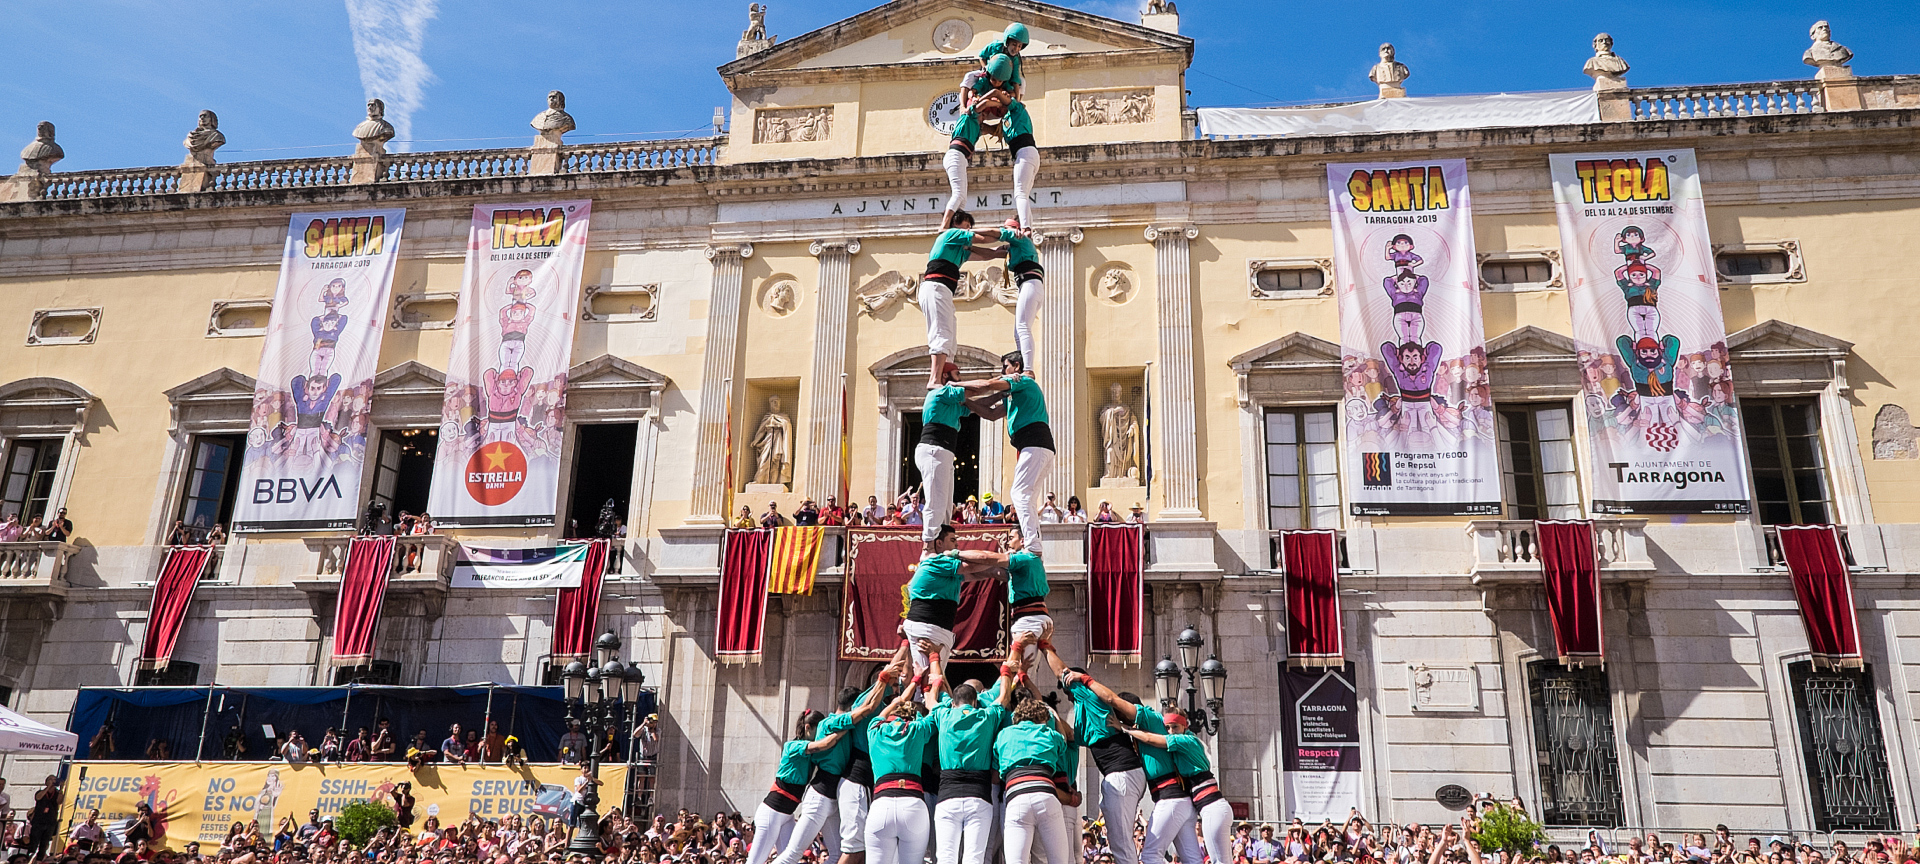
<point x="795" y="559"/>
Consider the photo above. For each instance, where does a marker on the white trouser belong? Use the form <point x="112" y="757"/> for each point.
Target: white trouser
<point x="1024" y="310"/>
<point x="1216" y="828"/>
<point x="1646" y="321"/>
<point x="962" y="828"/>
<point x="941" y="637"/>
<point x="1026" y="166"/>
<point x="956" y="164"/>
<point x="853" y="818"/>
<point x="1120" y="805"/>
<point x="937" y="302"/>
<point x="1036" y="815"/>
<point x="1042" y="626"/>
<point x="936" y="484"/>
<point x="816" y="815"/>
<point x="771" y="830"/>
<point x="897" y="831"/>
<point x="1028" y="471"/>
<point x="1171" y="825"/>
<point x="1070" y="823"/>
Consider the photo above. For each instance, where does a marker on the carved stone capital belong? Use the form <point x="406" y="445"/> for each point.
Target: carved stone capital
<point x="744" y="250"/>
<point x="1153" y="232"/>
<point x="851" y="245"/>
<point x="1071" y="236"/>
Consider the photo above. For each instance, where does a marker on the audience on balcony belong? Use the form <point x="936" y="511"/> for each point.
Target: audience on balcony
<point x="60" y="529"/>
<point x="11" y="529"/>
<point x="808" y="514"/>
<point x="772" y="518"/>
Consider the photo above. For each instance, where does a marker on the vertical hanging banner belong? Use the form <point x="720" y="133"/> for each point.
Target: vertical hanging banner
<point x="505" y="411"/>
<point x="1320" y="741"/>
<point x="1417" y="408"/>
<point x="308" y="436"/>
<point x="1652" y="344"/>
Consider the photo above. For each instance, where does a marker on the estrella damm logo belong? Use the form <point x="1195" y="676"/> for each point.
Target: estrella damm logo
<point x="1398" y="189"/>
<point x="1606" y="180"/>
<point x="343" y="238"/>
<point x="1376" y="470"/>
<point x="516" y="229"/>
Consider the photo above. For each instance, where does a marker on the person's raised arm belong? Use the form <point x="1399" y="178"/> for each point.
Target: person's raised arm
<point x="984" y="386"/>
<point x="937" y="680"/>
<point x="826" y="742"/>
<point x="1120" y="706"/>
<point x="980" y="253"/>
<point x="988" y="408"/>
<point x="1054" y="660"/>
<point x="1159" y="741"/>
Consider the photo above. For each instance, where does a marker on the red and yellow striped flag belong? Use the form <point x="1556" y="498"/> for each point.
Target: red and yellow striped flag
<point x="795" y="560"/>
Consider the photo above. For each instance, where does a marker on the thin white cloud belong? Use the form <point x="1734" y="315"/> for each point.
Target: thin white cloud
<point x="1119" y="10"/>
<point x="387" y="35"/>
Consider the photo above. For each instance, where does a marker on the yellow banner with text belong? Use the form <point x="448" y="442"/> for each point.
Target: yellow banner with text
<point x="201" y="800"/>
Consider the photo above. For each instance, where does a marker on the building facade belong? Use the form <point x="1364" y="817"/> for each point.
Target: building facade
<point x="1189" y="280"/>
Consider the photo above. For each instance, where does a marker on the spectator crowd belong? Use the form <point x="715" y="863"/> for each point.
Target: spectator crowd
<point x="908" y="509"/>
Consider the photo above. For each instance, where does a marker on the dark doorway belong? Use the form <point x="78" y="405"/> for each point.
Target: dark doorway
<point x="966" y="461"/>
<point x="404" y="473"/>
<point x="602" y="472"/>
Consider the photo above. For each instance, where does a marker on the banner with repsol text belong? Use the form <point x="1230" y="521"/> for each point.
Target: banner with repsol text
<point x="1417" y="409"/>
<point x="1657" y="389"/>
<point x="307" y="438"/>
<point x="200" y="801"/>
<point x="504" y="416"/>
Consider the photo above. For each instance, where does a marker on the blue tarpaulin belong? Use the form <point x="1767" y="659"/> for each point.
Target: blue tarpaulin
<point x="196" y="722"/>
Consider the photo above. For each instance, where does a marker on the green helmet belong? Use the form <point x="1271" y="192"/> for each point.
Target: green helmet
<point x="1000" y="68"/>
<point x="1017" y="32"/>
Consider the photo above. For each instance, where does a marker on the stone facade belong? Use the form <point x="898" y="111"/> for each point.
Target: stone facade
<point x="1701" y="621"/>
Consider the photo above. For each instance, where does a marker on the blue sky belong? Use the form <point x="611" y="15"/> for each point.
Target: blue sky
<point x="124" y="81"/>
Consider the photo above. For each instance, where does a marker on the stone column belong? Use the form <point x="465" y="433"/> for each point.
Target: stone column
<point x="1056" y="353"/>
<point x="825" y="426"/>
<point x="716" y="393"/>
<point x="1176" y="468"/>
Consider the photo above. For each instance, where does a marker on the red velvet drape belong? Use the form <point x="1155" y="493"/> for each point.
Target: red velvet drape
<point x="1114" y="591"/>
<point x="742" y="629"/>
<point x="576" y="611"/>
<point x="1313" y="599"/>
<point x="172" y="592"/>
<point x="879" y="563"/>
<point x="1825" y="590"/>
<point x="363" y="589"/>
<point x="1571" y="572"/>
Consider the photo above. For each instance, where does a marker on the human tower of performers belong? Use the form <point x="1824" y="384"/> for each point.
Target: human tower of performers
<point x="917" y="757"/>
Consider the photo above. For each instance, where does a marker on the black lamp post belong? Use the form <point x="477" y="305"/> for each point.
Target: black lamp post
<point x="600" y="698"/>
<point x="1211" y="676"/>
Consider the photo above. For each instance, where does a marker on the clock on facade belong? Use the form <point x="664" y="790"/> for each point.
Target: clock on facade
<point x="944" y="112"/>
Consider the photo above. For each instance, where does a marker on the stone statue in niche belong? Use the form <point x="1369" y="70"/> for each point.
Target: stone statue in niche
<point x="1389" y="73"/>
<point x="782" y="298"/>
<point x="1119" y="440"/>
<point x="1607" y="69"/>
<point x="1829" y="56"/>
<point x="773" y="447"/>
<point x="1114" y="286"/>
<point x="1893" y="434"/>
<point x="204" y="139"/>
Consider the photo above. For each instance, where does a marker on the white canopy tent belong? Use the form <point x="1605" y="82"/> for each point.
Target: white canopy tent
<point x="21" y="735"/>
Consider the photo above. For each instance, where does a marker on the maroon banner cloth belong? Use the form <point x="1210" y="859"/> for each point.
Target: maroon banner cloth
<point x="1570" y="570"/>
<point x="1114" y="591"/>
<point x="576" y="611"/>
<point x="172" y="592"/>
<point x="363" y="590"/>
<point x="1825" y="590"/>
<point x="1313" y="599"/>
<point x="880" y="561"/>
<point x="742" y="629"/>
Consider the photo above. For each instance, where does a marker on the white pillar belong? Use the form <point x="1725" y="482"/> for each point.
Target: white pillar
<point x="1057" y="357"/>
<point x="1177" y="467"/>
<point x="829" y="377"/>
<point x="710" y="455"/>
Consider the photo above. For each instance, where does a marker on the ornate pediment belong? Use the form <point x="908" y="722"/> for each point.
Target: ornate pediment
<point x="1292" y="351"/>
<point x="1530" y="342"/>
<point x="411" y="378"/>
<point x="932" y="33"/>
<point x="903" y="374"/>
<point x="1777" y="338"/>
<point x="43" y="405"/>
<point x="1774" y="358"/>
<point x="220" y="384"/>
<point x="609" y="388"/>
<point x="1530" y="364"/>
<point x="1294" y="369"/>
<point x="219" y="401"/>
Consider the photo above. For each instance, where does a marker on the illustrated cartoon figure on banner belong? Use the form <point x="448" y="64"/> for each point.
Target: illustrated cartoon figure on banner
<point x="515" y="319"/>
<point x="327" y="327"/>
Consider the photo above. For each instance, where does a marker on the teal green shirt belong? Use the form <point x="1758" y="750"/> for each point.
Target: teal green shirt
<point x="1026" y="577"/>
<point x="1020" y="249"/>
<point x="1069" y="758"/>
<point x="937" y="578"/>
<point x="1188" y="755"/>
<point x="1090" y="715"/>
<point x="1159" y="763"/>
<point x="795" y="764"/>
<point x="967" y="734"/>
<point x="899" y="746"/>
<point x="999" y="46"/>
<point x="1029" y="744"/>
<point x="1025" y="404"/>
<point x="835" y="760"/>
<point x="945" y="406"/>
<point x="954" y="245"/>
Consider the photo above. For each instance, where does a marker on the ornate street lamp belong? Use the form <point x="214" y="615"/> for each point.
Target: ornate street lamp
<point x="600" y="698"/>
<point x="1166" y="681"/>
<point x="1211" y="675"/>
